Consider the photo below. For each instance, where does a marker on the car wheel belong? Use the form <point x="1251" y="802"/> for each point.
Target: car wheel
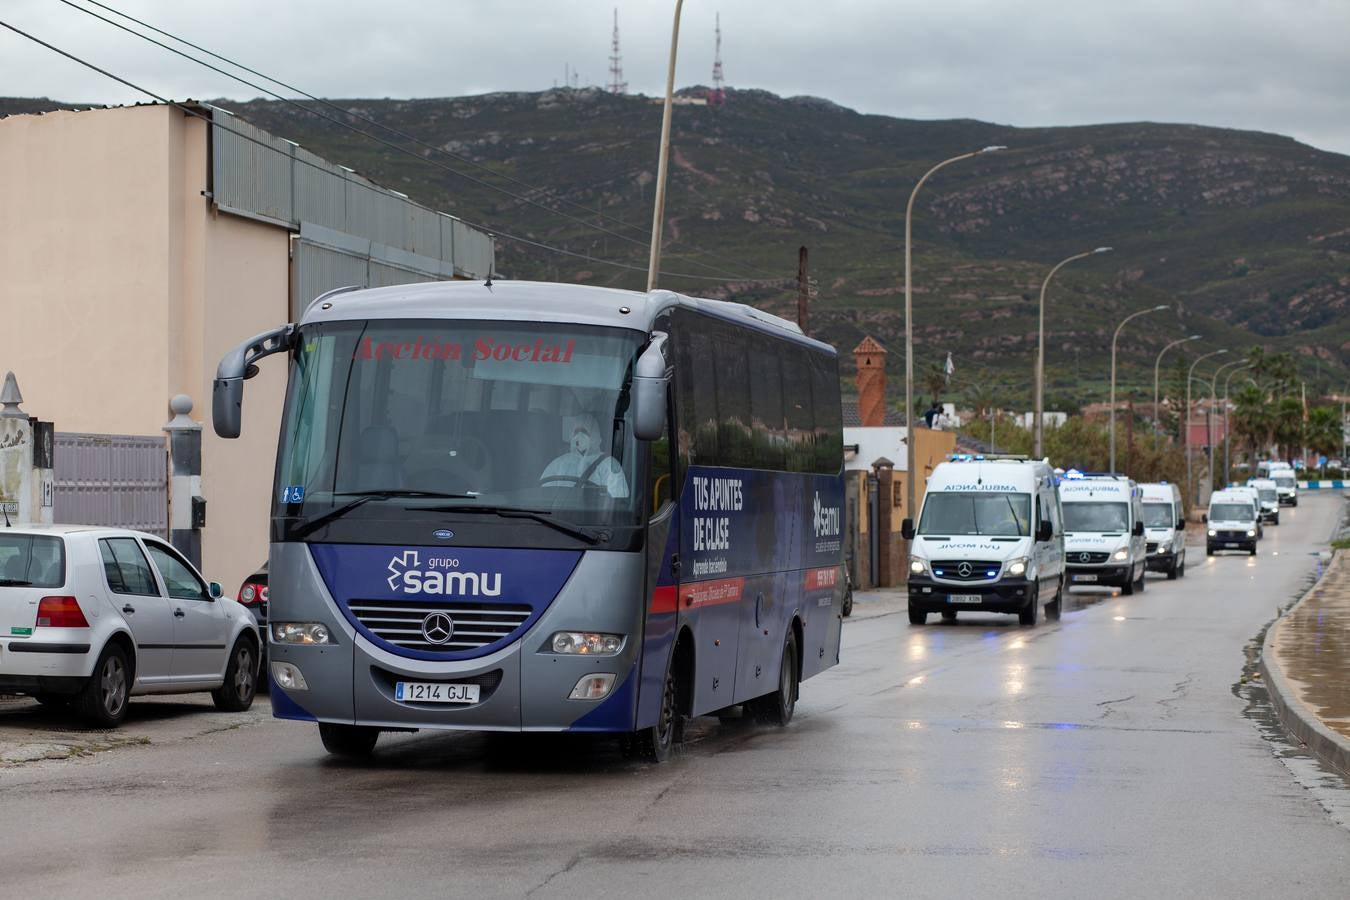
<point x="777" y="708"/>
<point x="1055" y="608"/>
<point x="241" y="678"/>
<point x="1128" y="587"/>
<point x="1209" y="551"/>
<point x="1031" y="613"/>
<point x="1181" y="568"/>
<point x="103" y="702"/>
<point x="917" y="617"/>
<point x="848" y="603"/>
<point x="350" y="741"/>
<point x="1143" y="580"/>
<point x="1251" y="551"/>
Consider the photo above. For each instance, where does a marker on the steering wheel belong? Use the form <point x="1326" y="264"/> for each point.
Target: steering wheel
<point x="576" y="482"/>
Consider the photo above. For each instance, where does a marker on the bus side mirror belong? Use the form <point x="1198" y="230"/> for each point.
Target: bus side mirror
<point x="1138" y="529"/>
<point x="227" y="392"/>
<point x="1044" y="532"/>
<point x="907" y="529"/>
<point x="649" y="390"/>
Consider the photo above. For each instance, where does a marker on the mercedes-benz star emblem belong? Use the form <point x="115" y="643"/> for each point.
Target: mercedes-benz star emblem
<point x="964" y="570"/>
<point x="438" y="628"/>
<point x="1085" y="557"/>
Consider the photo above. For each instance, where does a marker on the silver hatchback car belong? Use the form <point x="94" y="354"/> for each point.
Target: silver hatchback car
<point x="92" y="616"/>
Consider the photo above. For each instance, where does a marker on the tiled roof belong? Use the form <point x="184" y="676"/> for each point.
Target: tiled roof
<point x="869" y="345"/>
<point x="853" y="420"/>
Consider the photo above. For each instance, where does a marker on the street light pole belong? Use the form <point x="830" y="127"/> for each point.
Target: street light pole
<point x="659" y="213"/>
<point x="1186" y="424"/>
<point x="1157" y="418"/>
<point x="911" y="457"/>
<point x="1038" y="425"/>
<point x="1227" y="426"/>
<point x="1142" y="312"/>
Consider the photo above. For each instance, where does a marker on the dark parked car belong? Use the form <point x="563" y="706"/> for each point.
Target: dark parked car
<point x="253" y="596"/>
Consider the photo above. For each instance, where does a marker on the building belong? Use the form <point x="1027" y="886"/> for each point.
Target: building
<point x="876" y="456"/>
<point x="139" y="244"/>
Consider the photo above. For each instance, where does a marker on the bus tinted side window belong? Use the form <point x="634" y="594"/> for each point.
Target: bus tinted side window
<point x="829" y="415"/>
<point x="766" y="403"/>
<point x="733" y="401"/>
<point x="799" y="409"/>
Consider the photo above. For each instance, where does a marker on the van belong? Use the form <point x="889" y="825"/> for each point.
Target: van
<point x="1286" y="485"/>
<point x="1231" y="523"/>
<point x="989" y="538"/>
<point x="1268" y="494"/>
<point x="1103" y="531"/>
<point x="1254" y="496"/>
<point x="1164" y="529"/>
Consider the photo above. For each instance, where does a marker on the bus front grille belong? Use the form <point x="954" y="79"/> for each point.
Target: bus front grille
<point x="423" y="626"/>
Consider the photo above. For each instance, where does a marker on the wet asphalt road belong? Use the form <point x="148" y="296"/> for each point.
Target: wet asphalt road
<point x="1109" y="755"/>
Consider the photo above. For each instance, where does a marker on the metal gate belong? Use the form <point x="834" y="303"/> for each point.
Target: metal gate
<point x="117" y="480"/>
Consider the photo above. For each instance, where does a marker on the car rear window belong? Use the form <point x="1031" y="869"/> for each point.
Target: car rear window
<point x="32" y="560"/>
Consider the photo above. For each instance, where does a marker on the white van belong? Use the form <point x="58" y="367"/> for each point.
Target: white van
<point x="1286" y="485"/>
<point x="1268" y="493"/>
<point x="1232" y="523"/>
<point x="1164" y="529"/>
<point x="989" y="538"/>
<point x="1103" y="531"/>
<point x="1254" y="496"/>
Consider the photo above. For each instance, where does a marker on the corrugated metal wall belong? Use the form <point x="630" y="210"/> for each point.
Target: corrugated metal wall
<point x="352" y="231"/>
<point x="117" y="480"/>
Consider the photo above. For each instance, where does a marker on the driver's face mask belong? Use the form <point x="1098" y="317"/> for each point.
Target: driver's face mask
<point x="581" y="442"/>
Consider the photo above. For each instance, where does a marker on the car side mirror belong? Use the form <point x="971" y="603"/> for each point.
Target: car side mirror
<point x="1044" y="532"/>
<point x="907" y="529"/>
<point x="1181" y="524"/>
<point x="649" y="390"/>
<point x="1138" y="529"/>
<point x="215" y="590"/>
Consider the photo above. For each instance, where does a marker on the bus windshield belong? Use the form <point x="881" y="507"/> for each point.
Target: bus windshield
<point x="1159" y="515"/>
<point x="1096" y="517"/>
<point x="495" y="415"/>
<point x="989" y="513"/>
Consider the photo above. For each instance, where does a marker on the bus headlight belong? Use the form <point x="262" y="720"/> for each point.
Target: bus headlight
<point x="288" y="676"/>
<point x="300" y="633"/>
<point x="918" y="566"/>
<point x="1017" y="567"/>
<point x="1121" y="555"/>
<point x="586" y="643"/>
<point x="593" y="687"/>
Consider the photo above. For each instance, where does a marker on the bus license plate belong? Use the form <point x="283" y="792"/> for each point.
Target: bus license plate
<point x="1085" y="578"/>
<point x="421" y="692"/>
<point x="963" y="598"/>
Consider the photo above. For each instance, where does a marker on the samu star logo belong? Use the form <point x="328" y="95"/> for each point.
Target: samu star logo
<point x="400" y="564"/>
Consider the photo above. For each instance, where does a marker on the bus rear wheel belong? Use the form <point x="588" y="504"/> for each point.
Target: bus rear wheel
<point x="349" y="741"/>
<point x="777" y="708"/>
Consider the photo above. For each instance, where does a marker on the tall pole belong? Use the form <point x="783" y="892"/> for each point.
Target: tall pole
<point x="1227" y="425"/>
<point x="1157" y="418"/>
<point x="1114" y="337"/>
<point x="659" y="213"/>
<point x="1186" y="425"/>
<point x="1038" y="416"/>
<point x="911" y="456"/>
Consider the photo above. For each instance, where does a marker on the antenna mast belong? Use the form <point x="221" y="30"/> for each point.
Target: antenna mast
<point x="616" y="83"/>
<point x="718" y="95"/>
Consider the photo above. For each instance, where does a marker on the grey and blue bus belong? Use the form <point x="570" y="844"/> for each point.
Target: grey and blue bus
<point x="546" y="508"/>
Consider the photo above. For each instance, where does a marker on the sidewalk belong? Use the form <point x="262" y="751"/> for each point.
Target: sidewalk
<point x="1305" y="663"/>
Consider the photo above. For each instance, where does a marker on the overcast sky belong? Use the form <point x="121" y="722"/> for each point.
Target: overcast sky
<point x="1271" y="65"/>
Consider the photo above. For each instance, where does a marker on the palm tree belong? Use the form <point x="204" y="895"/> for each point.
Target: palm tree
<point x="1252" y="420"/>
<point x="1322" y="431"/>
<point x="1287" y="429"/>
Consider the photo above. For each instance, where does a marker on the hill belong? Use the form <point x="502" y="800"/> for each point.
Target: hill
<point x="1246" y="234"/>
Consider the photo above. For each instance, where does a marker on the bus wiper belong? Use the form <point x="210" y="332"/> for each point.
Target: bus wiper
<point x="309" y="526"/>
<point x="542" y="516"/>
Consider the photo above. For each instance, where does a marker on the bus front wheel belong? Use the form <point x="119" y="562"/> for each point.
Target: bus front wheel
<point x="350" y="741"/>
<point x="658" y="743"/>
<point x="777" y="708"/>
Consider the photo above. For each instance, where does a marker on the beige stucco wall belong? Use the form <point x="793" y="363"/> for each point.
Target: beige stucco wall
<point x="122" y="288"/>
<point x="86" y="217"/>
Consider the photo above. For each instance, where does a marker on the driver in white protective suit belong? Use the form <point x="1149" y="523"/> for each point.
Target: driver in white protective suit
<point x="586" y="459"/>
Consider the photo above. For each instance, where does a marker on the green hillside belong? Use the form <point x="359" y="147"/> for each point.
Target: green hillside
<point x="1246" y="234"/>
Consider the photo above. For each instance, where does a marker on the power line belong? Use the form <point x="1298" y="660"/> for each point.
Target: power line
<point x="396" y="132"/>
<point x="187" y="110"/>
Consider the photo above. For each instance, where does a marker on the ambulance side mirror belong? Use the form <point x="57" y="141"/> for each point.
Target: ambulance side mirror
<point x="649" y="390"/>
<point x="1044" y="532"/>
<point x="1138" y="529"/>
<point x="907" y="529"/>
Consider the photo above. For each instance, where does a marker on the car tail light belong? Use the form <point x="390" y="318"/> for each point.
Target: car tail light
<point x="60" y="612"/>
<point x="253" y="594"/>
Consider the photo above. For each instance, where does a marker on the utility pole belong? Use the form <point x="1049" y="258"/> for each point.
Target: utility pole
<point x="803" y="290"/>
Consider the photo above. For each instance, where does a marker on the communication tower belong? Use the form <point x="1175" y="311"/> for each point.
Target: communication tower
<point x="718" y="95"/>
<point x="616" y="83"/>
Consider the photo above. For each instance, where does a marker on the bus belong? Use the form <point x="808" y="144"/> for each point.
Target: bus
<point x="515" y="506"/>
